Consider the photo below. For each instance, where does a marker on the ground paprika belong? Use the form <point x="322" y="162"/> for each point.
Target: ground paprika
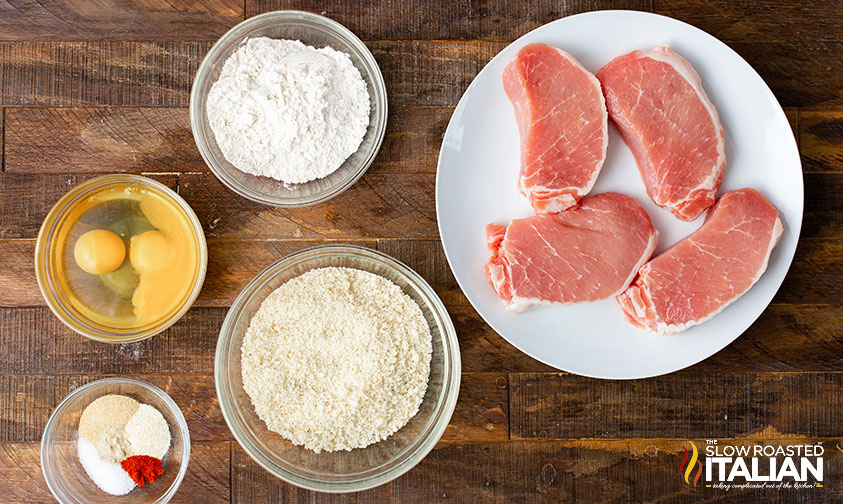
<point x="142" y="469"/>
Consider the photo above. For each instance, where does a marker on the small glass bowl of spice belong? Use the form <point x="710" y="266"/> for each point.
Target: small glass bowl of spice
<point x="113" y="439"/>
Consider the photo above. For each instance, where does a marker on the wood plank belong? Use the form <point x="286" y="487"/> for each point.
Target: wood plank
<point x="227" y="274"/>
<point x="561" y="406"/>
<point x="20" y="468"/>
<point x="98" y="72"/>
<point x="189" y="345"/>
<point x="101" y="140"/>
<point x="250" y="483"/>
<point x="785" y="338"/>
<point x="812" y="279"/>
<point x="443" y="19"/>
<point x="186" y="347"/>
<point x="28" y="401"/>
<point x="399" y="202"/>
<point x="379" y="205"/>
<point x="821" y="140"/>
<point x="383" y="204"/>
<point x="768" y="20"/>
<point x="481" y="414"/>
<point x="814" y="276"/>
<point x="427" y="258"/>
<point x="780" y="64"/>
<point x="482" y="411"/>
<point x="207" y="479"/>
<point x="823" y="211"/>
<point x="118" y="19"/>
<point x="431" y="73"/>
<point x="155" y="139"/>
<point x="799" y="338"/>
<point x="530" y="471"/>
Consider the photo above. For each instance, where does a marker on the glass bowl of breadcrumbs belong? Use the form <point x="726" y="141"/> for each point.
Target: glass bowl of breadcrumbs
<point x="340" y="470"/>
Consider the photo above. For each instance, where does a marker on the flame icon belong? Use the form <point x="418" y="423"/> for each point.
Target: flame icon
<point x="687" y="466"/>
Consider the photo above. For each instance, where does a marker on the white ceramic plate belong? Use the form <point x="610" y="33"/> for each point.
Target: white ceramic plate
<point x="478" y="170"/>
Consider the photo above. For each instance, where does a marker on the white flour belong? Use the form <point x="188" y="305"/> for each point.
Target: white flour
<point x="288" y="111"/>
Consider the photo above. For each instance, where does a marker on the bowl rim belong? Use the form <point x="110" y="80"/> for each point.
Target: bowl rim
<point x="436" y="425"/>
<point x="171" y="405"/>
<point x="203" y="74"/>
<point x="45" y="237"/>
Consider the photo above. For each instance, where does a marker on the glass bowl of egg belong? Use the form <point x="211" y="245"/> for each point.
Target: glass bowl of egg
<point x="120" y="258"/>
<point x="260" y="104"/>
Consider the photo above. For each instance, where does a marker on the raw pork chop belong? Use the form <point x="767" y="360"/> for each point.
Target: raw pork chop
<point x="563" y="122"/>
<point x="587" y="253"/>
<point x="659" y="106"/>
<point x="705" y="272"/>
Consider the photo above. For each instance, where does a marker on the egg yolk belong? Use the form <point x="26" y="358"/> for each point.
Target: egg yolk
<point x="99" y="252"/>
<point x="149" y="251"/>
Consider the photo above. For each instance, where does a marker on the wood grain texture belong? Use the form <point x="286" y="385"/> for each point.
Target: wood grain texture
<point x="820" y="260"/>
<point x="444" y="19"/>
<point x="759" y="19"/>
<point x="481" y="414"/>
<point x="379" y="205"/>
<point x="101" y="140"/>
<point x="155" y="139"/>
<point x="560" y="406"/>
<point x="785" y="338"/>
<point x="823" y="210"/>
<point x="780" y="64"/>
<point x="99" y="87"/>
<point x="118" y="19"/>
<point x="482" y="411"/>
<point x="186" y="347"/>
<point x="529" y="471"/>
<point x="207" y="479"/>
<point x="383" y="204"/>
<point x="821" y="140"/>
<point x="28" y="400"/>
<point x="813" y="277"/>
<point x="98" y="72"/>
<point x="250" y="483"/>
<point x="430" y="73"/>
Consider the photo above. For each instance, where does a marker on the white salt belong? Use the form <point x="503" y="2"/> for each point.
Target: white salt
<point x="111" y="478"/>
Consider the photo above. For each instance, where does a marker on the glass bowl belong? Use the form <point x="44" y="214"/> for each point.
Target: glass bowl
<point x="339" y="471"/>
<point x="313" y="30"/>
<point x="48" y="258"/>
<point x="65" y="475"/>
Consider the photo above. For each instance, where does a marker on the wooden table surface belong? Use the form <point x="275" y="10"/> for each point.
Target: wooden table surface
<point x="88" y="88"/>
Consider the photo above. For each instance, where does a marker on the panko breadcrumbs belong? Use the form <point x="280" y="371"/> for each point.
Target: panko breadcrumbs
<point x="336" y="359"/>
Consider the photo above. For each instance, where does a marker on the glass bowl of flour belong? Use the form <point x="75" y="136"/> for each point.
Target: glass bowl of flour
<point x="288" y="109"/>
<point x="343" y="469"/>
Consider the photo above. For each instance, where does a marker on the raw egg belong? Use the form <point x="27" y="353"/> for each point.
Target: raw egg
<point x="99" y="251"/>
<point x="149" y="251"/>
